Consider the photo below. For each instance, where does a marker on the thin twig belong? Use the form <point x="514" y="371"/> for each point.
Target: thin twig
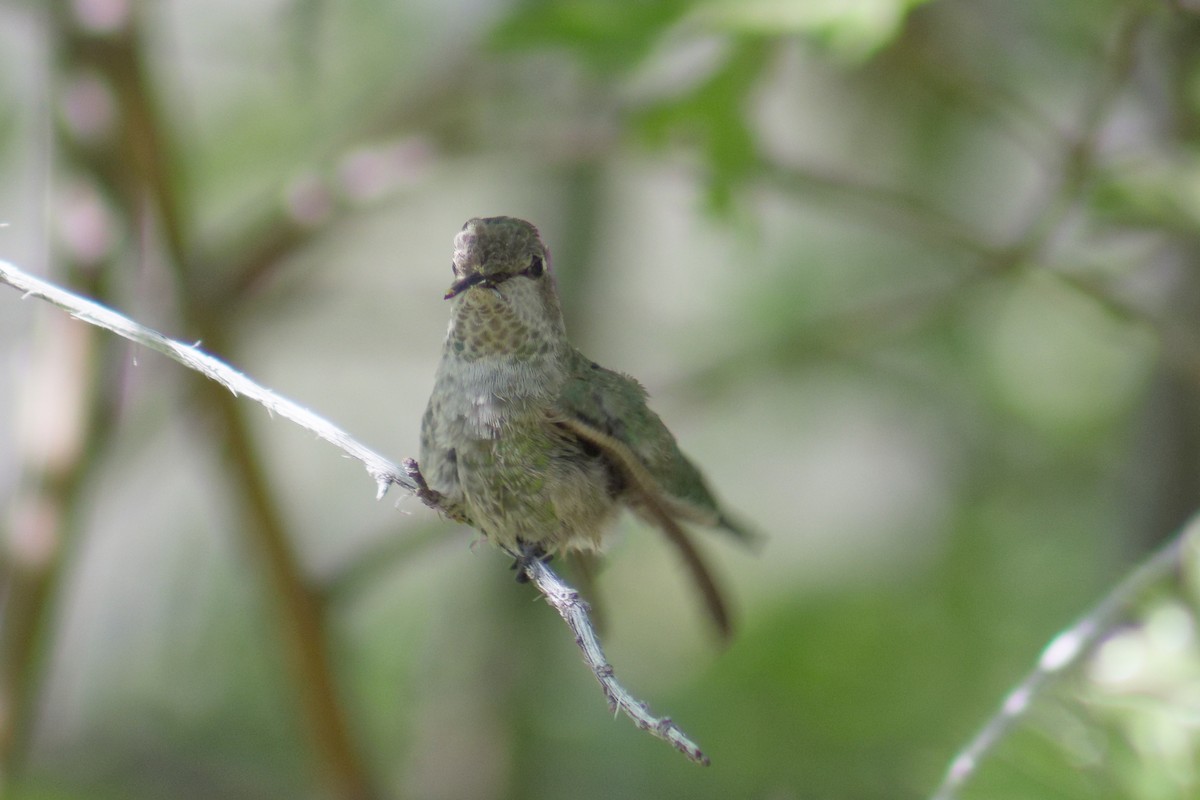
<point x="383" y="471"/>
<point x="1063" y="651"/>
<point x="574" y="611"/>
<point x="558" y="593"/>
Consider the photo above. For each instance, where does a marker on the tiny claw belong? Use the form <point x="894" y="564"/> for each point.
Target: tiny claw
<point x="527" y="554"/>
<point x="429" y="497"/>
<point x="413" y="470"/>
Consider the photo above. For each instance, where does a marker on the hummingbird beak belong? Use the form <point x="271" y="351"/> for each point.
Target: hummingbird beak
<point x="462" y="284"/>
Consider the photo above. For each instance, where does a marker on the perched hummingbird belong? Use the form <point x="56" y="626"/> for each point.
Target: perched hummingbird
<point x="530" y="442"/>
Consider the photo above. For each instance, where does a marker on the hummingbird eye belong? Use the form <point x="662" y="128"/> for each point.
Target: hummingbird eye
<point x="536" y="267"/>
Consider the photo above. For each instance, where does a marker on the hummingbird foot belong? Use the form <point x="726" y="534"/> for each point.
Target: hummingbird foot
<point x="428" y="496"/>
<point x="527" y="553"/>
<point x="432" y="497"/>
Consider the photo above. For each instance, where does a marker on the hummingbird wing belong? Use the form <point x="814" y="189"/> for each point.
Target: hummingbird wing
<point x="615" y="404"/>
<point x="607" y="411"/>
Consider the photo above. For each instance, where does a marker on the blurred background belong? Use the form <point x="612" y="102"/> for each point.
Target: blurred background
<point x="914" y="281"/>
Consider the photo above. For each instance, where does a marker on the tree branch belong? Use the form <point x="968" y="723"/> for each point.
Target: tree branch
<point x="384" y="472"/>
<point x="1063" y="651"/>
<point x="558" y="593"/>
<point x="574" y="611"/>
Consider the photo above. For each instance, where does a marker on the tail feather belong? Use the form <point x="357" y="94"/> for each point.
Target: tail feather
<point x="711" y="595"/>
<point x="748" y="536"/>
<point x="651" y="503"/>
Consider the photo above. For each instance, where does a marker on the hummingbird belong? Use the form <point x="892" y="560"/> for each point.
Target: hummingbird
<point x="532" y="443"/>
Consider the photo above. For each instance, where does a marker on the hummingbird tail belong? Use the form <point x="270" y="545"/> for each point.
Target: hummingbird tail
<point x="743" y="533"/>
<point x="710" y="593"/>
<point x="648" y="500"/>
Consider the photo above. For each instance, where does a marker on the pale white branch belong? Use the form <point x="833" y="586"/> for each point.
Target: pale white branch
<point x="559" y="594"/>
<point x="571" y="607"/>
<point x="1063" y="651"/>
<point x="383" y="471"/>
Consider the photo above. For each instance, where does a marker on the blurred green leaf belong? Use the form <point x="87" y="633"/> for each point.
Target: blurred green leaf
<point x="713" y="118"/>
<point x="1151" y="193"/>
<point x="852" y="30"/>
<point x="609" y="35"/>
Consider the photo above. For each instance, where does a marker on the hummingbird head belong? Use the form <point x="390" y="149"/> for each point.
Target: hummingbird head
<point x="505" y="300"/>
<point x="490" y="251"/>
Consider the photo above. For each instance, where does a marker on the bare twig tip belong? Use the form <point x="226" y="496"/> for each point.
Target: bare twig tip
<point x="573" y="610"/>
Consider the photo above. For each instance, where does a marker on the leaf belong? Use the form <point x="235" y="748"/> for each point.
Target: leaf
<point x="608" y="35"/>
<point x="713" y="117"/>
<point x="851" y="29"/>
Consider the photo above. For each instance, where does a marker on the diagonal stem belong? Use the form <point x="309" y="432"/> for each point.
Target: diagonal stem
<point x="574" y="611"/>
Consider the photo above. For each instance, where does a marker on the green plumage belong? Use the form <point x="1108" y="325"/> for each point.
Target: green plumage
<point x="526" y="439"/>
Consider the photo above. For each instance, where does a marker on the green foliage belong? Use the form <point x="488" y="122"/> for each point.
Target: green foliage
<point x="853" y="30"/>
<point x="607" y="35"/>
<point x="713" y="119"/>
<point x="936" y="335"/>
